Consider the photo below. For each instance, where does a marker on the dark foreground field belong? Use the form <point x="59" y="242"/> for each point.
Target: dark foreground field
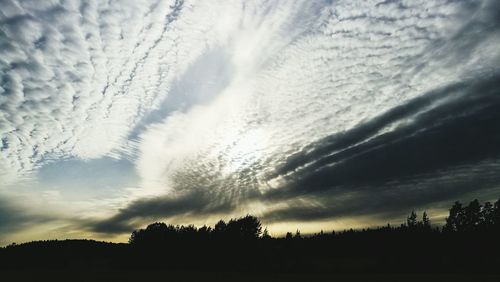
<point x="352" y="256"/>
<point x="155" y="275"/>
<point x="467" y="248"/>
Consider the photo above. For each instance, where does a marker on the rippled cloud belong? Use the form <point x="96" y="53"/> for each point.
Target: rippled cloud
<point x="291" y="110"/>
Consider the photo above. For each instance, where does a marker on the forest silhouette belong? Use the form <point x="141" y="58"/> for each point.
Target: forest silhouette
<point x="467" y="243"/>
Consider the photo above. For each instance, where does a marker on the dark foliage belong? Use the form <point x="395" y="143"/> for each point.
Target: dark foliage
<point x="467" y="243"/>
<point x="473" y="217"/>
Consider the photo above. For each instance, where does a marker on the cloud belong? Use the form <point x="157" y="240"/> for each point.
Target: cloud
<point x="441" y="153"/>
<point x="192" y="203"/>
<point x="15" y="217"/>
<point x="296" y="110"/>
<point x="10" y="217"/>
<point x="77" y="77"/>
<point x="393" y="200"/>
<point x="423" y="143"/>
<point x="354" y="74"/>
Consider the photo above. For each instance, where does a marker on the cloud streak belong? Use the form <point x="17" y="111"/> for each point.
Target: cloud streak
<point x="436" y="156"/>
<point x="292" y="110"/>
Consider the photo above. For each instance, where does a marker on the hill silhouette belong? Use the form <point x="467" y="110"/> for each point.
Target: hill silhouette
<point x="468" y="243"/>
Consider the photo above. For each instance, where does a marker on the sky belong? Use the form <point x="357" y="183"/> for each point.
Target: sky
<point x="312" y="114"/>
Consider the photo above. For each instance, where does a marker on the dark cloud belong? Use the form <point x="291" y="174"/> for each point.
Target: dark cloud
<point x="192" y="203"/>
<point x="463" y="128"/>
<point x="393" y="200"/>
<point x="14" y="217"/>
<point x="360" y="133"/>
<point x="9" y="216"/>
<point x="446" y="147"/>
<point x="442" y="152"/>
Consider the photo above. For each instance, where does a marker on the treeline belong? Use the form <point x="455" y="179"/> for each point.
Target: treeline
<point x="473" y="217"/>
<point x="468" y="242"/>
<point x="244" y="228"/>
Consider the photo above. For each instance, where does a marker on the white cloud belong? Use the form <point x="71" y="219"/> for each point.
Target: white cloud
<point x="78" y="76"/>
<point x="308" y="70"/>
<point x="216" y="94"/>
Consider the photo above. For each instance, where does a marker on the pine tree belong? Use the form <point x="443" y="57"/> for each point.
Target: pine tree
<point x="487" y="215"/>
<point x="411" y="221"/>
<point x="496" y="215"/>
<point x="426" y="223"/>
<point x="265" y="234"/>
<point x="297" y="235"/>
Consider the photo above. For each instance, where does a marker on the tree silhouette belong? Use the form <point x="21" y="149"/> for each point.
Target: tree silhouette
<point x="156" y="233"/>
<point x="469" y="241"/>
<point x="496" y="215"/>
<point x="297" y="235"/>
<point x="411" y="221"/>
<point x="472" y="215"/>
<point x="220" y="226"/>
<point x="251" y="227"/>
<point x="247" y="227"/>
<point x="426" y="223"/>
<point x="487" y="212"/>
<point x="265" y="234"/>
<point x="455" y="220"/>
